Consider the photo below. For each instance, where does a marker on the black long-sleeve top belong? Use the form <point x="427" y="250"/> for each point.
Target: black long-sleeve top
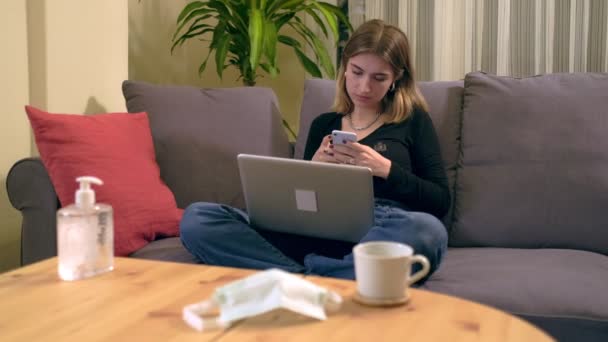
<point x="417" y="178"/>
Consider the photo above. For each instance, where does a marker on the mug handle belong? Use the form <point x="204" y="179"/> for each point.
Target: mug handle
<point x="426" y="267"/>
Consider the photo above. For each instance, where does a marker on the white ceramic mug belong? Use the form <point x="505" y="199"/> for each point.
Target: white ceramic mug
<point x="382" y="270"/>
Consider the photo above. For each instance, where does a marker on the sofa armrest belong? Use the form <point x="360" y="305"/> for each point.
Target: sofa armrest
<point x="31" y="192"/>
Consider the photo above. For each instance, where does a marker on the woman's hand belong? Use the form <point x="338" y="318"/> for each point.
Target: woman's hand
<point x="362" y="155"/>
<point x="324" y="152"/>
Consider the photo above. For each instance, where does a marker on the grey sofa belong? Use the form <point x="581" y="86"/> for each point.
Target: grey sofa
<point x="527" y="161"/>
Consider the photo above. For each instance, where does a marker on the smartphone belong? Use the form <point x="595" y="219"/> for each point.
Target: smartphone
<point x="342" y="137"/>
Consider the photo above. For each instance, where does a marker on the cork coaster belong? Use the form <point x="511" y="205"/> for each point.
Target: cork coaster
<point x="380" y="302"/>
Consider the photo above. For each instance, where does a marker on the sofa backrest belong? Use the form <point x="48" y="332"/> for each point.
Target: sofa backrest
<point x="445" y="102"/>
<point x="534" y="169"/>
<point x="318" y="98"/>
<point x="528" y="158"/>
<point x="198" y="132"/>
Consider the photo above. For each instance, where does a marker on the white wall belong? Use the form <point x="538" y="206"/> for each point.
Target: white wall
<point x="79" y="50"/>
<point x="65" y="56"/>
<point x="14" y="128"/>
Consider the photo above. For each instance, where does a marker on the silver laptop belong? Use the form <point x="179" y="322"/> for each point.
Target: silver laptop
<point x="308" y="198"/>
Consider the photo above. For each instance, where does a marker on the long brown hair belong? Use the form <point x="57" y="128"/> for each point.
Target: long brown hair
<point x="391" y="44"/>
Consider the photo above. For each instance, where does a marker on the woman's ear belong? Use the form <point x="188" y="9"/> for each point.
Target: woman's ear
<point x="398" y="76"/>
<point x="394" y="84"/>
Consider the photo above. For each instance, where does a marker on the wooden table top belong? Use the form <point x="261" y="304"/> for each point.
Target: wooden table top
<point x="142" y="300"/>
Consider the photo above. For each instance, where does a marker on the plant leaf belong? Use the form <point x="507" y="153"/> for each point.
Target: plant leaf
<point x="284" y="5"/>
<point x="286" y="125"/>
<point x="269" y="5"/>
<point x="287" y="40"/>
<point x="203" y="65"/>
<point x="318" y="48"/>
<point x="270" y="69"/>
<point x="338" y="13"/>
<point x="220" y="53"/>
<point x="221" y="9"/>
<point x="190" y="31"/>
<point x="324" y="58"/>
<point x="256" y="37"/>
<point x="282" y="19"/>
<point x="330" y="19"/>
<point x="219" y="30"/>
<point x="189" y="8"/>
<point x="202" y="14"/>
<point x="196" y="31"/>
<point x="239" y="12"/>
<point x="274" y="71"/>
<point x="201" y="68"/>
<point x="317" y="19"/>
<point x="270" y="42"/>
<point x="247" y="32"/>
<point x="308" y="64"/>
<point x="265" y="67"/>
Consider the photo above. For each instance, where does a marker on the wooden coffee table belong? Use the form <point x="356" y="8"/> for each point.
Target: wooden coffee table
<point x="142" y="300"/>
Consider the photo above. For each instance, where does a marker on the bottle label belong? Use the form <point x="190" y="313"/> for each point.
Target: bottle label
<point x="85" y="245"/>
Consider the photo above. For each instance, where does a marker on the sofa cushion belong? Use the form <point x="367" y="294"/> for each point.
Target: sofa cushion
<point x="118" y="149"/>
<point x="534" y="282"/>
<point x="198" y="132"/>
<point x="534" y="162"/>
<point x="169" y="249"/>
<point x="444" y="99"/>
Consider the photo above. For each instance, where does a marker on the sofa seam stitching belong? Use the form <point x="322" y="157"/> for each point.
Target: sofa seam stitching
<point x="458" y="163"/>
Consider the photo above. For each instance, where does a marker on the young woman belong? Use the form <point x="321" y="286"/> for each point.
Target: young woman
<point x="377" y="99"/>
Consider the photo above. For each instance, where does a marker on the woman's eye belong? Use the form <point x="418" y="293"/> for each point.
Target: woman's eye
<point x="357" y="72"/>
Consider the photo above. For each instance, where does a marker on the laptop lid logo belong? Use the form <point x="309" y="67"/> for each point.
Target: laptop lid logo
<point x="306" y="200"/>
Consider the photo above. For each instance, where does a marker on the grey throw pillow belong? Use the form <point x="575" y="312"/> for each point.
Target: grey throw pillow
<point x="198" y="133"/>
<point x="534" y="169"/>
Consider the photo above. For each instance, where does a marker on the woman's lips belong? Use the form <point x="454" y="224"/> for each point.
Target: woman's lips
<point x="362" y="98"/>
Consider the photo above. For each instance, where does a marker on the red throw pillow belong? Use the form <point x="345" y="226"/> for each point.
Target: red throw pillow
<point x="118" y="149"/>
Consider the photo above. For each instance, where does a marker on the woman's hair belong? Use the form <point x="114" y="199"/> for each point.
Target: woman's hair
<point x="389" y="43"/>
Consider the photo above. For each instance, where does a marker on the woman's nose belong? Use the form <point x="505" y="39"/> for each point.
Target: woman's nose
<point x="365" y="85"/>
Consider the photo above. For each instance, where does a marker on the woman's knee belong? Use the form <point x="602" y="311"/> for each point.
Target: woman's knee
<point x="430" y="229"/>
<point x="430" y="236"/>
<point x="198" y="217"/>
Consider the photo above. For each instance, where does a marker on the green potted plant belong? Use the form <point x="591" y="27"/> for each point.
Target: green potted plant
<point x="245" y="33"/>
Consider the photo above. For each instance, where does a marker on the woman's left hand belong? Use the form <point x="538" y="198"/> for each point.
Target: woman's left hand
<point x="354" y="153"/>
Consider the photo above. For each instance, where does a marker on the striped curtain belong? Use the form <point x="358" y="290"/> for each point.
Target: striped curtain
<point x="505" y="37"/>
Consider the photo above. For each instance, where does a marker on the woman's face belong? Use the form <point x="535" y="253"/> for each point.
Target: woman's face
<point x="368" y="78"/>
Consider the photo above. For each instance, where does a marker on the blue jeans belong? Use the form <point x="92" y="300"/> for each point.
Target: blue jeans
<point x="220" y="235"/>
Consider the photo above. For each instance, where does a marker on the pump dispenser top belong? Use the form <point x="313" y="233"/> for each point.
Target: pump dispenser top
<point x="85" y="196"/>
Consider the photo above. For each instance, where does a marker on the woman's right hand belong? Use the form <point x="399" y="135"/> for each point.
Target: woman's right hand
<point x="324" y="152"/>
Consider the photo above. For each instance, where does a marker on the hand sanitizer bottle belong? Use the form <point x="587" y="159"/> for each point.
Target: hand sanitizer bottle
<point x="85" y="234"/>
